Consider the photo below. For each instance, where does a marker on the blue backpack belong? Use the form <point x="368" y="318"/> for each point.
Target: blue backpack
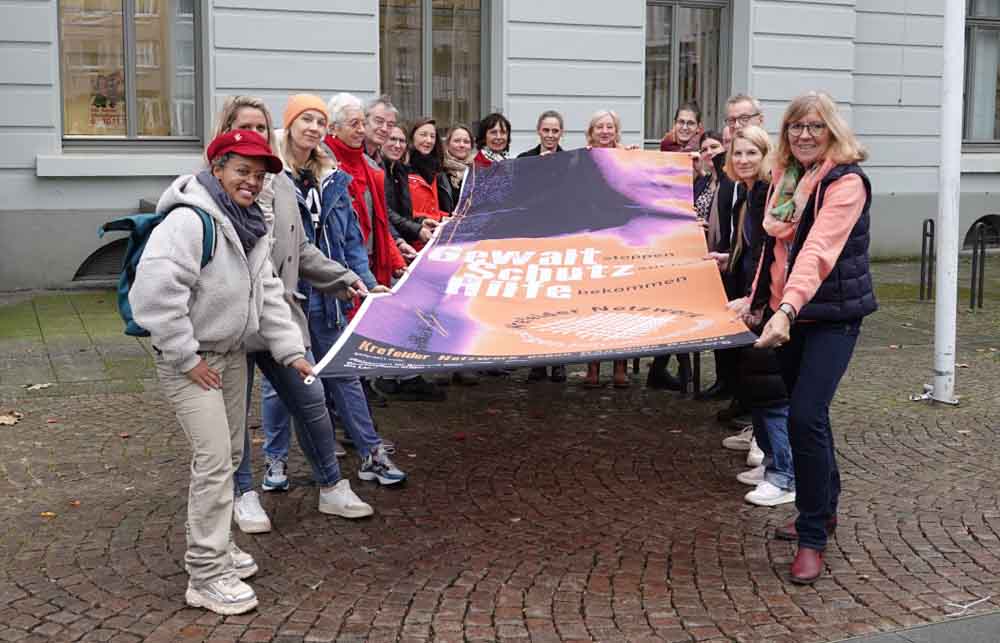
<point x="139" y="227"/>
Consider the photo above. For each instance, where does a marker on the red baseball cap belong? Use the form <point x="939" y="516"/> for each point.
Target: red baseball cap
<point x="245" y="143"/>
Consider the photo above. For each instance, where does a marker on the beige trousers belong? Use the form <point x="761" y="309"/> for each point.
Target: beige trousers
<point x="214" y="423"/>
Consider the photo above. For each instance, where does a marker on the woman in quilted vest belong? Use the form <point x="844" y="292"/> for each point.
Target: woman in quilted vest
<point x="812" y="290"/>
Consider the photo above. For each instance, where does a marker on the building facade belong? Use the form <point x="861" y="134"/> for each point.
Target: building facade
<point x="106" y="100"/>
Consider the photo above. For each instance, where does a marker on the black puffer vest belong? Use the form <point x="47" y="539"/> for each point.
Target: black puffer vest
<point x="847" y="292"/>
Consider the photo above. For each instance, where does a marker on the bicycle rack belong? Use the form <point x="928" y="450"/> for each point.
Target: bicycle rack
<point x="978" y="266"/>
<point x="927" y="259"/>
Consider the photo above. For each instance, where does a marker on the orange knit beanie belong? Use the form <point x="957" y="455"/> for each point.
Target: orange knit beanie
<point x="299" y="103"/>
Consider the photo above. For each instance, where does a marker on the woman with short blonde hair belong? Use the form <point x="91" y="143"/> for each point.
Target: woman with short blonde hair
<point x="596" y="129"/>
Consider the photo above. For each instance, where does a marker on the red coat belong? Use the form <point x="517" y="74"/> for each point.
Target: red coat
<point x="481" y="161"/>
<point x="424" y="199"/>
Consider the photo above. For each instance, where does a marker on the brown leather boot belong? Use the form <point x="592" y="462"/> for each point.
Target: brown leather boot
<point x="788" y="532"/>
<point x="807" y="566"/>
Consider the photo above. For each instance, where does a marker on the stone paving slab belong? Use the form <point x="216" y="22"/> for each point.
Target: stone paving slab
<point x="539" y="512"/>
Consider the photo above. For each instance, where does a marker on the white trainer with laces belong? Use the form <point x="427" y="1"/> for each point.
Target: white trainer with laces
<point x="740" y="441"/>
<point x="340" y="500"/>
<point x="378" y="466"/>
<point x="250" y="516"/>
<point x="227" y="596"/>
<point x="752" y="477"/>
<point x="275" y="478"/>
<point x="768" y="495"/>
<point x="755" y="456"/>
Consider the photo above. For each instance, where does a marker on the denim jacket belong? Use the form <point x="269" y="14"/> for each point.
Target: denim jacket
<point x="338" y="236"/>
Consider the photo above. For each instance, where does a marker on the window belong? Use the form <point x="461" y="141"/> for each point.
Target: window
<point x="431" y="58"/>
<point x="129" y="69"/>
<point x="982" y="69"/>
<point x="683" y="61"/>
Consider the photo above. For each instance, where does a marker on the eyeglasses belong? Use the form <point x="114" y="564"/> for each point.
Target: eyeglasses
<point x="815" y="129"/>
<point x="686" y="123"/>
<point x="378" y="121"/>
<point x="742" y="120"/>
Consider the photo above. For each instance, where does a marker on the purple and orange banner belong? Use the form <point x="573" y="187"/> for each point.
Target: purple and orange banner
<point x="570" y="257"/>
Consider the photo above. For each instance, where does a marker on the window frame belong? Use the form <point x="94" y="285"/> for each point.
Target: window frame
<point x="971" y="23"/>
<point x="725" y="56"/>
<point x="132" y="140"/>
<point x="427" y="57"/>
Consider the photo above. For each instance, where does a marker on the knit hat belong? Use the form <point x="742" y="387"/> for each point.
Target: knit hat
<point x="299" y="103"/>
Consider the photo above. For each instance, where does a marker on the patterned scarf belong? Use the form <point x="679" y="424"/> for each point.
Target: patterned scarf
<point x="248" y="222"/>
<point x="784" y="199"/>
<point x="456" y="168"/>
<point x="493" y="157"/>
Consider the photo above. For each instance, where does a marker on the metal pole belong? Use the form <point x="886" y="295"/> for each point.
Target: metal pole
<point x="946" y="298"/>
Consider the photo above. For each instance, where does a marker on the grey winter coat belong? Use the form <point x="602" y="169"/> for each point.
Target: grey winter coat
<point x="294" y="257"/>
<point x="188" y="309"/>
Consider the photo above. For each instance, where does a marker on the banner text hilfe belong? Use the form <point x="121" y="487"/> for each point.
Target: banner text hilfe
<point x="526" y="273"/>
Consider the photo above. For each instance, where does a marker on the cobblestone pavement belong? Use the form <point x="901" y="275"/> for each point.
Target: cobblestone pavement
<point x="533" y="511"/>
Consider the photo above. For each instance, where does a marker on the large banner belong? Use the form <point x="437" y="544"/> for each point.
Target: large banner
<point x="569" y="257"/>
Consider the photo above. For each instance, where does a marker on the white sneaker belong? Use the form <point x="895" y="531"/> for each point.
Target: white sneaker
<point x="249" y="515"/>
<point x="378" y="466"/>
<point x="339" y="450"/>
<point x="243" y="563"/>
<point x="768" y="495"/>
<point x="740" y="441"/>
<point x="755" y="456"/>
<point x="752" y="477"/>
<point x="227" y="596"/>
<point x="340" y="500"/>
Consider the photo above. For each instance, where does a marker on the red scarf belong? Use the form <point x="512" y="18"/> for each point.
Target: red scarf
<point x="385" y="257"/>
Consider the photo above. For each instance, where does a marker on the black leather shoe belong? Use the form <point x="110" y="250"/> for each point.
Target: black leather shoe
<point x="537" y="374"/>
<point x="717" y="391"/>
<point x="662" y="381"/>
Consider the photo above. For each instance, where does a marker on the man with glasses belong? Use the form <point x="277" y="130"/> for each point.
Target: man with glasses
<point x="743" y="110"/>
<point x="380" y="117"/>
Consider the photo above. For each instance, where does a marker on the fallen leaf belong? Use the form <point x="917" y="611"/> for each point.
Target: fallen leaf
<point x="52" y="421"/>
<point x="47" y="514"/>
<point x="493" y="411"/>
<point x="459" y="436"/>
<point x="74" y="503"/>
<point x="36" y="387"/>
<point x="124" y="436"/>
<point x="9" y="417"/>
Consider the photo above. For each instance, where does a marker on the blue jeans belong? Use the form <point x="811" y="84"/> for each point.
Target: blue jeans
<point x="812" y="363"/>
<point x="770" y="428"/>
<point x="275" y="421"/>
<point x="344" y="394"/>
<point x="313" y="426"/>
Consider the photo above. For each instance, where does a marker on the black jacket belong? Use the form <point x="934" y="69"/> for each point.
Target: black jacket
<point x="397" y="200"/>
<point x="536" y="151"/>
<point x="739" y="280"/>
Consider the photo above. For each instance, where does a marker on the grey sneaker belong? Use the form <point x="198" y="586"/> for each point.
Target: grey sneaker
<point x="378" y="466"/>
<point x="227" y="596"/>
<point x="275" y="478"/>
<point x="243" y="563"/>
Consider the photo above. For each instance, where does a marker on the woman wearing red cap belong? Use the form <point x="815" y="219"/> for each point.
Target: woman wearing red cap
<point x="199" y="319"/>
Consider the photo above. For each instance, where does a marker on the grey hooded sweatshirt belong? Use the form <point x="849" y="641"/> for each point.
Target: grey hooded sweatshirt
<point x="188" y="309"/>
